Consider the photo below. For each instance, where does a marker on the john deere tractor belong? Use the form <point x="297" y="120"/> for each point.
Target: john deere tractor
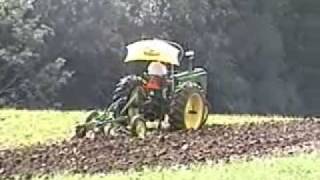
<point x="175" y="100"/>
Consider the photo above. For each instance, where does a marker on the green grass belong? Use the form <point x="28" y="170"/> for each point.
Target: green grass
<point x="300" y="167"/>
<point x="23" y="128"/>
<point x="244" y="118"/>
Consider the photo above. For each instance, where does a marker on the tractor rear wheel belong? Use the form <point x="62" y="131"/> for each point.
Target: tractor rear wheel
<point x="188" y="109"/>
<point x="205" y="114"/>
<point x="127" y="87"/>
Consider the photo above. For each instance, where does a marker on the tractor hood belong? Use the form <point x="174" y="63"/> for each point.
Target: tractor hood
<point x="153" y="50"/>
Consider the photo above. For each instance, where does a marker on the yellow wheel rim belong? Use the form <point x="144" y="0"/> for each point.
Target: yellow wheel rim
<point x="194" y="110"/>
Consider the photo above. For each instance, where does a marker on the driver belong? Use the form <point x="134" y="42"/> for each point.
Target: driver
<point x="157" y="72"/>
<point x="157" y="85"/>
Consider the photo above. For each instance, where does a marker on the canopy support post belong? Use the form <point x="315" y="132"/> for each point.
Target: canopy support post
<point x="173" y="79"/>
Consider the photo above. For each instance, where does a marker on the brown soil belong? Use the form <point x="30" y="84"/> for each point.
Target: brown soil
<point x="216" y="143"/>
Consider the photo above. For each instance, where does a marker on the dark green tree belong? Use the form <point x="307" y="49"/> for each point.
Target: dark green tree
<point x="25" y="78"/>
<point x="252" y="49"/>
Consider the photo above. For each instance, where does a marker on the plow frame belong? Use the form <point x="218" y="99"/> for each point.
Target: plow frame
<point x="105" y="121"/>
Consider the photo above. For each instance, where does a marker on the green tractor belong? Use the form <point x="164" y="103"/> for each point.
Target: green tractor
<point x="165" y="97"/>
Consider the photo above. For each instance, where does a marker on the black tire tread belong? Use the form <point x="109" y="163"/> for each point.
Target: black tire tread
<point x="123" y="89"/>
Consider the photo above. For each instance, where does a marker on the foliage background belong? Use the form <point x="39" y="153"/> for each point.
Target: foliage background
<point x="262" y="56"/>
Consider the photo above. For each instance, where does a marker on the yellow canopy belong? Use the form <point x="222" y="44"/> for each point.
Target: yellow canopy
<point x="152" y="50"/>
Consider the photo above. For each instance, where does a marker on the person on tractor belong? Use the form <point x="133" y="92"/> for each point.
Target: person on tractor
<point x="157" y="84"/>
<point x="157" y="72"/>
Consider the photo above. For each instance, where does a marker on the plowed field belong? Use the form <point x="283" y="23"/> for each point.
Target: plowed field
<point x="214" y="143"/>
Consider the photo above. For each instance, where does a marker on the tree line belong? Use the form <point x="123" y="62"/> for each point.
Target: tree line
<point x="68" y="53"/>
